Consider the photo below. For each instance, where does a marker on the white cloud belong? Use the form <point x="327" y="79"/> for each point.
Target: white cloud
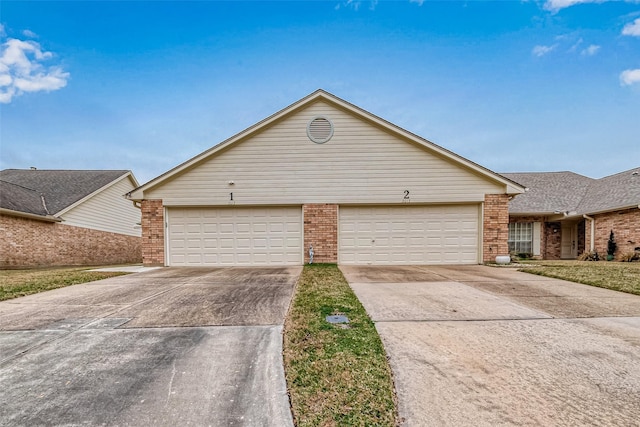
<point x="591" y="50"/>
<point x="541" y="50"/>
<point x="556" y="5"/>
<point x="355" y="4"/>
<point x="632" y="29"/>
<point x="30" y="34"/>
<point x="629" y="77"/>
<point x="22" y="69"/>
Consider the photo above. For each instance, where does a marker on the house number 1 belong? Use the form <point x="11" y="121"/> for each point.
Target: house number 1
<point x="231" y="196"/>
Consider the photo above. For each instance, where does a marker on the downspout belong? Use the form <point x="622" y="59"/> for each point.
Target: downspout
<point x="592" y="239"/>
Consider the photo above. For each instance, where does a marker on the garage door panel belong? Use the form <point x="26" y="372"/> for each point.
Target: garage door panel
<point x="226" y="228"/>
<point x="409" y="235"/>
<point x="260" y="227"/>
<point x="209" y="258"/>
<point x="234" y="236"/>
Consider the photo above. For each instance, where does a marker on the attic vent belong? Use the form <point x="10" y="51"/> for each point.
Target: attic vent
<point x="320" y="130"/>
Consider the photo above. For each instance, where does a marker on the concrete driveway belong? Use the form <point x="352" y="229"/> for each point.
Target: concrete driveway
<point x="173" y="346"/>
<point x="484" y="346"/>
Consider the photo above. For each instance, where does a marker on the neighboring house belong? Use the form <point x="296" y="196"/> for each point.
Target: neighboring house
<point x="326" y="174"/>
<point x="67" y="217"/>
<point x="564" y="214"/>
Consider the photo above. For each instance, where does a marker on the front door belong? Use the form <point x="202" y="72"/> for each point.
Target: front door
<point x="569" y="241"/>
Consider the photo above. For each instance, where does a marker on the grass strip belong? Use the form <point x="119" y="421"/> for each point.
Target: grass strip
<point x="336" y="376"/>
<point x="617" y="276"/>
<point x="18" y="283"/>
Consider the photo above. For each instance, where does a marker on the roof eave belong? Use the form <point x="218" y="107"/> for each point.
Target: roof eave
<point x="45" y="218"/>
<point x="532" y="213"/>
<point x="128" y="174"/>
<point x="618" y="208"/>
<point x="138" y="193"/>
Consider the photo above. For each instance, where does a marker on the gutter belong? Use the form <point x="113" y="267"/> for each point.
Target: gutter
<point x="136" y="203"/>
<point x="45" y="218"/>
<point x="593" y="225"/>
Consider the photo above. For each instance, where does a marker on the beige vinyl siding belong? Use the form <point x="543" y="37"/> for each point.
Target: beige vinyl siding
<point x="107" y="211"/>
<point x="361" y="163"/>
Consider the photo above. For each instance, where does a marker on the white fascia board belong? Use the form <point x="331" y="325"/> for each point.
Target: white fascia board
<point x="138" y="193"/>
<point x="619" y="208"/>
<point x="511" y="187"/>
<point x="48" y="218"/>
<point x="99" y="190"/>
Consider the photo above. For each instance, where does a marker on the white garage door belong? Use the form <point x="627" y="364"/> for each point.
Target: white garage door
<point x="234" y="236"/>
<point x="445" y="234"/>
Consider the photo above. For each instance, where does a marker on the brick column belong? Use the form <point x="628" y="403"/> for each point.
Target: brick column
<point x="321" y="231"/>
<point x="152" y="233"/>
<point x="495" y="229"/>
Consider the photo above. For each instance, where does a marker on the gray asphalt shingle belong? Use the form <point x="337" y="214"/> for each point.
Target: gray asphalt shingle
<point x="615" y="191"/>
<point x="554" y="192"/>
<point x="17" y="198"/>
<point x="21" y="188"/>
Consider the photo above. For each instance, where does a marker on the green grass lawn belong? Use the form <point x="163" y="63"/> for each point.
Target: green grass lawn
<point x="18" y="283"/>
<point x="619" y="276"/>
<point x="336" y="376"/>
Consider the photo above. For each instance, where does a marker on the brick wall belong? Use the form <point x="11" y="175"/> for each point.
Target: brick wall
<point x="31" y="243"/>
<point x="543" y="231"/>
<point x="626" y="229"/>
<point x="552" y="248"/>
<point x="152" y="233"/>
<point x="321" y="231"/>
<point x="495" y="226"/>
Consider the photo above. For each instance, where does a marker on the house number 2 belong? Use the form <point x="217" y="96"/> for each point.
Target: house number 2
<point x="406" y="194"/>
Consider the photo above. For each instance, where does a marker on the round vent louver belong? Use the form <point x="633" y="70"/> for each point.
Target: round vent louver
<point x="320" y="130"/>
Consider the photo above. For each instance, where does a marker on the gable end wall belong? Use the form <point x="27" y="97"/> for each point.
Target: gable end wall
<point x="360" y="164"/>
<point x="107" y="211"/>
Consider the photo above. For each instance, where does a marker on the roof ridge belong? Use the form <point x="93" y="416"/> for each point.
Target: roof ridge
<point x="632" y="170"/>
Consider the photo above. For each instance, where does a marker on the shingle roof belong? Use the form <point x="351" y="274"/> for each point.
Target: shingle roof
<point x="22" y="188"/>
<point x="17" y="198"/>
<point x="553" y="192"/>
<point x="621" y="190"/>
<point x="548" y="192"/>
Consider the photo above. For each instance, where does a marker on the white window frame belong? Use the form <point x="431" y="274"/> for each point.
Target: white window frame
<point x="520" y="238"/>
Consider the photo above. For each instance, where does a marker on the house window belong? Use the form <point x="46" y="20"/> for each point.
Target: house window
<point x="521" y="237"/>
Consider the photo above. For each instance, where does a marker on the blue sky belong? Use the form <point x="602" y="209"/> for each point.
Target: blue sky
<point x="511" y="85"/>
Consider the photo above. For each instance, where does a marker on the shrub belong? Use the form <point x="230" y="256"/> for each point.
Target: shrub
<point x="630" y="256"/>
<point x="612" y="246"/>
<point x="589" y="256"/>
<point x="519" y="256"/>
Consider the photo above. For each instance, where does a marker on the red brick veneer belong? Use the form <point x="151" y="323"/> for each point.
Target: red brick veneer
<point x="152" y="233"/>
<point x="31" y="243"/>
<point x="495" y="226"/>
<point x="626" y="229"/>
<point x="321" y="231"/>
